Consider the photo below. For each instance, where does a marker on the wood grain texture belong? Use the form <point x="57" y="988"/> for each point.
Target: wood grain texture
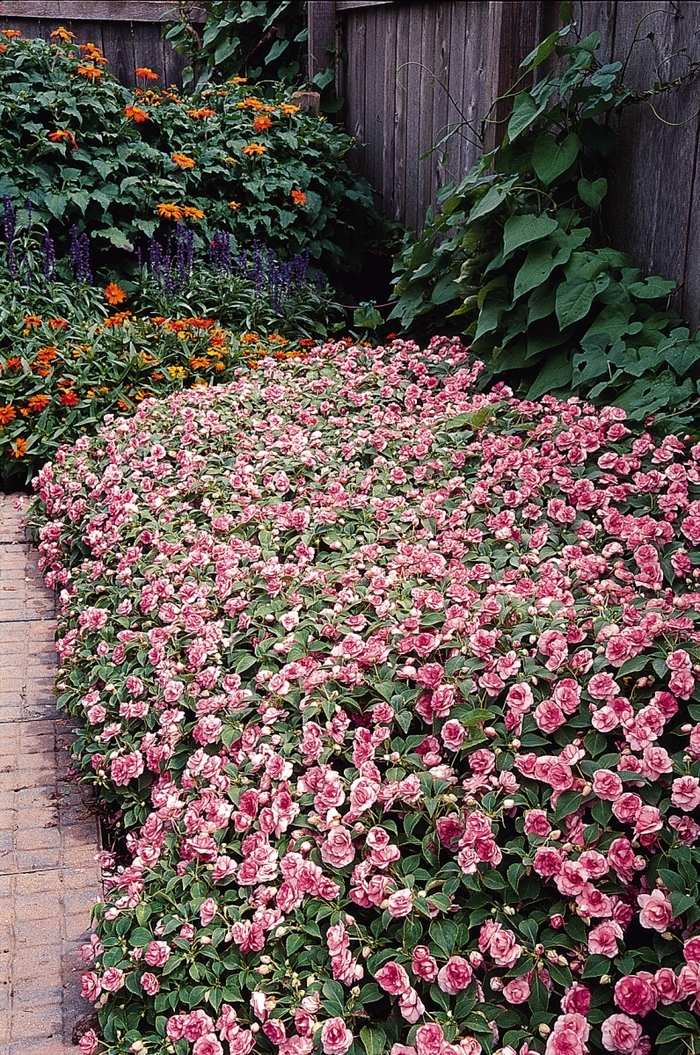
<point x="322" y="16"/>
<point x="97" y="10"/>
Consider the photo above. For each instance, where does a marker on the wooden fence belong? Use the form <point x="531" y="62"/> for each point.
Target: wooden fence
<point x="415" y="71"/>
<point x="128" y="33"/>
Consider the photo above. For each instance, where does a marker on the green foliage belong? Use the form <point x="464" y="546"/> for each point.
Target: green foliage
<point x="516" y="260"/>
<point x="241" y="38"/>
<point x="113" y="162"/>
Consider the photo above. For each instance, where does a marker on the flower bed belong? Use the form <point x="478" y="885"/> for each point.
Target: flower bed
<point x="391" y="686"/>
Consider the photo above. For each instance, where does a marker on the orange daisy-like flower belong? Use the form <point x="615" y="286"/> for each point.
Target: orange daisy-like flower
<point x="3" y="49"/>
<point x="253" y="149"/>
<point x="62" y="134"/>
<point x="10" y="34"/>
<point x="289" y="108"/>
<point x="58" y="324"/>
<point x="118" y="319"/>
<point x="93" y="73"/>
<point x="69" y="399"/>
<point x="13" y="363"/>
<point x="238" y="80"/>
<point x="114" y="294"/>
<point x="190" y="212"/>
<point x="136" y="114"/>
<point x="168" y="210"/>
<point x="94" y="54"/>
<point x="262" y="123"/>
<point x="38" y="403"/>
<point x="204" y="111"/>
<point x="62" y="34"/>
<point x="146" y="73"/>
<point x="7" y="414"/>
<point x="298" y="197"/>
<point x="234" y="205"/>
<point x="183" y="161"/>
<point x="32" y="320"/>
<point x="19" y="448"/>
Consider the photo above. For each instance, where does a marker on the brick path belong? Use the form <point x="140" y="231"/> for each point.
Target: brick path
<point x="48" y="836"/>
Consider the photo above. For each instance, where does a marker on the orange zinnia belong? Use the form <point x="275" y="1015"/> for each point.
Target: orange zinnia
<point x="136" y="114"/>
<point x="93" y="73"/>
<point x="13" y="363"/>
<point x="69" y="399"/>
<point x="114" y="294"/>
<point x="254" y="148"/>
<point x="63" y="34"/>
<point x="298" y="197"/>
<point x="146" y="73"/>
<point x="234" y="205"/>
<point x="38" y="403"/>
<point x="190" y="212"/>
<point x="58" y="324"/>
<point x="168" y="210"/>
<point x="261" y="124"/>
<point x="238" y="80"/>
<point x="289" y="108"/>
<point x="19" y="448"/>
<point x="183" y="161"/>
<point x="32" y="320"/>
<point x="62" y="133"/>
<point x="204" y="111"/>
<point x="7" y="413"/>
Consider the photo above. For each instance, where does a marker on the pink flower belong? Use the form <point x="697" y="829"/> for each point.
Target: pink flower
<point x="576" y="1000"/>
<point x="636" y="993"/>
<point x="88" y="1043"/>
<point x="517" y="991"/>
<point x="400" y="903"/>
<point x="603" y="686"/>
<point x="207" y="1045"/>
<point x="336" y="1038"/>
<point x="536" y="823"/>
<point x="455" y="975"/>
<point x="667" y="985"/>
<point x="150" y="983"/>
<point x="157" y="954"/>
<point x="411" y="1006"/>
<point x="606" y="785"/>
<point x="207" y="911"/>
<point x="90" y="986"/>
<point x="112" y="979"/>
<point x="656" y="912"/>
<point x="504" y="949"/>
<point x="337" y="849"/>
<point x="423" y="964"/>
<point x="429" y="1040"/>
<point x="685" y="794"/>
<point x="393" y="978"/>
<point x="621" y="1034"/>
<point x="602" y="940"/>
<point x="548" y="717"/>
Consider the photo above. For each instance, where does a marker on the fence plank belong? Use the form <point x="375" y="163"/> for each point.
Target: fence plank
<point x="99" y="10"/>
<point x="148" y="49"/>
<point x="322" y="17"/>
<point x="119" y="49"/>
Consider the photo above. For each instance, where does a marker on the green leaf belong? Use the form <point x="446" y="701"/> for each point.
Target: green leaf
<point x="556" y="373"/>
<point x="544" y="49"/>
<point x="573" y="301"/>
<point x="444" y="934"/>
<point x="373" y="1040"/>
<point x="651" y="288"/>
<point x="140" y="937"/>
<point x="592" y="193"/>
<point x="521" y="230"/>
<point x="551" y="159"/>
<point x="525" y="113"/>
<point x="493" y="198"/>
<point x="116" y="237"/>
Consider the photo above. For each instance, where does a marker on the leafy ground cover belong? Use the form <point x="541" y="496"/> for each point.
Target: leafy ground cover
<point x="391" y="687"/>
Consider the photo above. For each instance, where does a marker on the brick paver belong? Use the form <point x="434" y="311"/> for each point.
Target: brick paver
<point x="49" y="835"/>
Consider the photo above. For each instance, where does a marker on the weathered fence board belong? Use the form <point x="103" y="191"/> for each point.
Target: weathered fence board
<point x="128" y="33"/>
<point x="417" y="70"/>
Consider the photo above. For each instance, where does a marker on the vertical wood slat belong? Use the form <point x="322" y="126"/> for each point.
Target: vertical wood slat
<point x="321" y="18"/>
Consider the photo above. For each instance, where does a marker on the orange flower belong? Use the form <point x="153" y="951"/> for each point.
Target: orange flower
<point x="254" y="148"/>
<point x="117" y="319"/>
<point x="93" y="73"/>
<point x="58" y="324"/>
<point x="168" y="210"/>
<point x="204" y="111"/>
<point x="7" y="413"/>
<point x="234" y="205"/>
<point x="289" y="108"/>
<point x="13" y="363"/>
<point x="136" y="114"/>
<point x="146" y="73"/>
<point x="190" y="212"/>
<point x="19" y="448"/>
<point x="69" y="399"/>
<point x="252" y="102"/>
<point x="183" y="161"/>
<point x="261" y="124"/>
<point x="62" y="34"/>
<point x="10" y="34"/>
<point x="32" y="320"/>
<point x="63" y="133"/>
<point x="238" y="80"/>
<point x="298" y="197"/>
<point x="92" y="52"/>
<point x="3" y="49"/>
<point x="38" y="403"/>
<point x="199" y="363"/>
<point x="114" y="294"/>
<point x="47" y="354"/>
